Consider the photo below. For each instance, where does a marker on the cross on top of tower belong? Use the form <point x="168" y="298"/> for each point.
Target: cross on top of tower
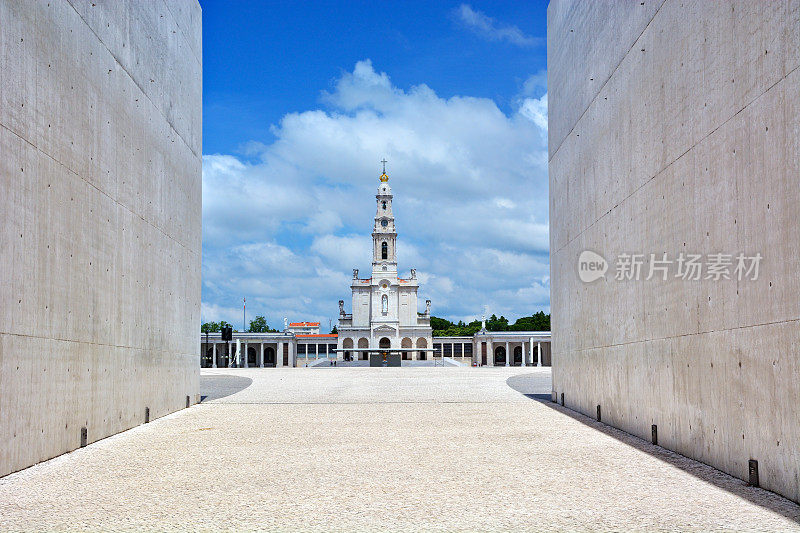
<point x="384" y="177"/>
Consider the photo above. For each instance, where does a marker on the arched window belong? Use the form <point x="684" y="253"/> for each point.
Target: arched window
<point x="385" y="304"/>
<point x="384" y="250"/>
<point x="383" y="204"/>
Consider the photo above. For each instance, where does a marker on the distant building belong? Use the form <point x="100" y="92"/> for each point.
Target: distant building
<point x="304" y="328"/>
<point x="385" y="320"/>
<point x="287" y="349"/>
<point x="384" y="306"/>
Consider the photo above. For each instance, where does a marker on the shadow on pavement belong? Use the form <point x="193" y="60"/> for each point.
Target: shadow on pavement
<point x="761" y="497"/>
<point x="219" y="386"/>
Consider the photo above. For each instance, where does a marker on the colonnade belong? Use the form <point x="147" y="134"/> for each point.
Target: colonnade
<point x="532" y="349"/>
<point x="284" y="353"/>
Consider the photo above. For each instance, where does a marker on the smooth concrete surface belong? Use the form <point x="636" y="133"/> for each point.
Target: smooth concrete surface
<point x="100" y="219"/>
<point x="675" y="127"/>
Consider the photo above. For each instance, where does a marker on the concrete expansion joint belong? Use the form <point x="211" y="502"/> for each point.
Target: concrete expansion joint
<point x="602" y="86"/>
<point x="92" y="185"/>
<point x="116" y="60"/>
<point x="682" y="335"/>
<point x="183" y="33"/>
<point x="668" y="165"/>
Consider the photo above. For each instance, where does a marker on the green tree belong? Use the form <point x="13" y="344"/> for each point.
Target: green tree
<point x="214" y="327"/>
<point x="259" y="325"/>
<point x="440" y="323"/>
<point x="444" y="328"/>
<point x="334" y="330"/>
<point x="497" y="324"/>
<point x="537" y="322"/>
<point x="210" y="327"/>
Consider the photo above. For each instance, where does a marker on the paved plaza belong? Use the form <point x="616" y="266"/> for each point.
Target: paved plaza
<point x="400" y="449"/>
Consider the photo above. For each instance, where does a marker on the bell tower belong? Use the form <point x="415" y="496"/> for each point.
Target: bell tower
<point x="384" y="234"/>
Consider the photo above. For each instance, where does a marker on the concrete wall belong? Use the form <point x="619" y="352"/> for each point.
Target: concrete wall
<point x="675" y="127"/>
<point x="100" y="214"/>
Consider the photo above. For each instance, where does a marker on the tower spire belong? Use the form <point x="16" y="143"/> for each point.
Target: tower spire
<point x="384" y="177"/>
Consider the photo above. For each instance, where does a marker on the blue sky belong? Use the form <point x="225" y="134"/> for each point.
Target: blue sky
<point x="301" y="101"/>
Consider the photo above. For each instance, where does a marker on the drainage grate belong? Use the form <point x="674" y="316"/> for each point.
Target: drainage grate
<point x="753" y="468"/>
<point x="654" y="434"/>
<point x="599" y="419"/>
<point x="84" y="437"/>
<point x="146" y="415"/>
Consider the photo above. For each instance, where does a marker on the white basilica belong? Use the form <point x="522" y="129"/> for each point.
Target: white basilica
<point x="384" y="309"/>
<point x="385" y="326"/>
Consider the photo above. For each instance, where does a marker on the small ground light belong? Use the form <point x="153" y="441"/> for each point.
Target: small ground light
<point x="84" y="437"/>
<point x="562" y="399"/>
<point x="146" y="415"/>
<point x="598" y="413"/>
<point x="654" y="434"/>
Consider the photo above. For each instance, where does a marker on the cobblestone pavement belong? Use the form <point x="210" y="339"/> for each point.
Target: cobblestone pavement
<point x="400" y="449"/>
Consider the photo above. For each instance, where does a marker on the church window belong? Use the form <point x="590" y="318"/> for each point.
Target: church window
<point x="383" y="204"/>
<point x="384" y="304"/>
<point x="384" y="250"/>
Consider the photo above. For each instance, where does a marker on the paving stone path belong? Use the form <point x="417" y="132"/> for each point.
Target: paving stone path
<point x="399" y="449"/>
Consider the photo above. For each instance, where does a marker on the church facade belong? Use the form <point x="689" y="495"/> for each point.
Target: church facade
<point x="384" y="314"/>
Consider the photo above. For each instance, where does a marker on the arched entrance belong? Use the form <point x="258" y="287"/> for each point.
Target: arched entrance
<point x="222" y="354"/>
<point x="208" y="358"/>
<point x="251" y="356"/>
<point x="384" y="343"/>
<point x="517" y="356"/>
<point x="363" y="342"/>
<point x="406" y="343"/>
<point x="269" y="357"/>
<point x="536" y="356"/>
<point x="422" y="343"/>
<point x="347" y="344"/>
<point x="500" y="356"/>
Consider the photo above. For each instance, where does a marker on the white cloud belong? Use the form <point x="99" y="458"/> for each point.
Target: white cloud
<point x="470" y="185"/>
<point x="536" y="110"/>
<point x="490" y="29"/>
<point x="536" y="84"/>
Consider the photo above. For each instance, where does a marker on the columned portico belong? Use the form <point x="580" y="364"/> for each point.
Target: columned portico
<point x="490" y="348"/>
<point x="515" y="344"/>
